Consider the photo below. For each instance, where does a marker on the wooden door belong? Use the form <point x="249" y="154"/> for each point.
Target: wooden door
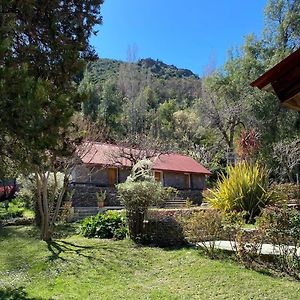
<point x="112" y="176"/>
<point x="157" y="176"/>
<point x="187" y="181"/>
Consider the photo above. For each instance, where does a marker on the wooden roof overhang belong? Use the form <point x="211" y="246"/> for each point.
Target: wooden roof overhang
<point x="284" y="81"/>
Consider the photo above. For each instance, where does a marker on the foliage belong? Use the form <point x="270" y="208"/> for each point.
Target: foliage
<point x="101" y="196"/>
<point x="43" y="49"/>
<point x="137" y="193"/>
<point x="110" y="224"/>
<point x="287" y="155"/>
<point x="36" y="45"/>
<point x="287" y="191"/>
<point x="248" y="144"/>
<point x="282" y="229"/>
<point x="16" y="208"/>
<point x="245" y="188"/>
<point x="168" y="194"/>
<point x="249" y="246"/>
<point x="204" y="227"/>
<point x="163" y="231"/>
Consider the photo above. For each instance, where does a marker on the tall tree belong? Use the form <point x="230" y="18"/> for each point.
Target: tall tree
<point x="282" y="28"/>
<point x="43" y="47"/>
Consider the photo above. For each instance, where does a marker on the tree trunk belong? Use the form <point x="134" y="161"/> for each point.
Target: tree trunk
<point x="42" y="197"/>
<point x="136" y="225"/>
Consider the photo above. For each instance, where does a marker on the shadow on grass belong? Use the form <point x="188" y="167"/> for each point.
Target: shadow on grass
<point x="58" y="247"/>
<point x="15" y="294"/>
<point x="106" y="253"/>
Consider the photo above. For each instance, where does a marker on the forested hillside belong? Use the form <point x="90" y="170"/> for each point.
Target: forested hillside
<point x="217" y="119"/>
<point x="145" y="97"/>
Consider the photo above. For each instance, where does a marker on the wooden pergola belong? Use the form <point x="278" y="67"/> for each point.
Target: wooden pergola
<point x="283" y="80"/>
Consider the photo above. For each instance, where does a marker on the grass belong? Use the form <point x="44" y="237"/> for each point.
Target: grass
<point x="74" y="267"/>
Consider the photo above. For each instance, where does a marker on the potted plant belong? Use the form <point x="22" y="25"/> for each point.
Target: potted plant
<point x="101" y="196"/>
<point x="68" y="202"/>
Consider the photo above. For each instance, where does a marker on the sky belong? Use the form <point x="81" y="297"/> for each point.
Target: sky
<point x="191" y="34"/>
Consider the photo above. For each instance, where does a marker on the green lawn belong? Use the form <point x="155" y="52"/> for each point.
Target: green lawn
<point x="78" y="268"/>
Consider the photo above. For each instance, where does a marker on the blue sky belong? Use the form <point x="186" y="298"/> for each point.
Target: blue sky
<point x="189" y="34"/>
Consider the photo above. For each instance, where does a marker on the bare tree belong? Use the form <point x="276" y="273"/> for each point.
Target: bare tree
<point x="287" y="154"/>
<point x="222" y="111"/>
<point x="137" y="147"/>
<point x="49" y="204"/>
<point x="132" y="82"/>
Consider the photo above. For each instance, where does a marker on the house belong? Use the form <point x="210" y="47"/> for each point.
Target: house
<point x="283" y="80"/>
<point x="103" y="166"/>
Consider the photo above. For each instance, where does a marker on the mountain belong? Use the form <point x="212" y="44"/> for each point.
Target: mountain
<point x="161" y="70"/>
<point x="104" y="68"/>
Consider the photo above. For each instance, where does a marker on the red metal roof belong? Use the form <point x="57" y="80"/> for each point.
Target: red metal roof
<point x="111" y="155"/>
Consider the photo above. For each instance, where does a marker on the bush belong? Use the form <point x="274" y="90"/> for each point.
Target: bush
<point x="243" y="189"/>
<point x="163" y="228"/>
<point x="138" y="193"/>
<point x="289" y="192"/>
<point x="16" y="209"/>
<point x="107" y="225"/>
<point x="204" y="227"/>
<point x="282" y="228"/>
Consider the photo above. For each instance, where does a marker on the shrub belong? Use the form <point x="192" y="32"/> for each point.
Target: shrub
<point x="16" y="209"/>
<point x="163" y="232"/>
<point x="163" y="227"/>
<point x="204" y="227"/>
<point x="107" y="225"/>
<point x="288" y="192"/>
<point x="282" y="229"/>
<point x="248" y="246"/>
<point x="138" y="193"/>
<point x="244" y="188"/>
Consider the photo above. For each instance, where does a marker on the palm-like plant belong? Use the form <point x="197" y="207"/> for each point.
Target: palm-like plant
<point x="243" y="189"/>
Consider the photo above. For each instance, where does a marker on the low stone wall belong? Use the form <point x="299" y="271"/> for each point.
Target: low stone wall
<point x="85" y="196"/>
<point x="193" y="195"/>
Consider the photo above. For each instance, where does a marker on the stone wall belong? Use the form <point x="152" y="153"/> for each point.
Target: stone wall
<point x="197" y="181"/>
<point x="85" y="196"/>
<point x="177" y="180"/>
<point x="99" y="177"/>
<point x="194" y="195"/>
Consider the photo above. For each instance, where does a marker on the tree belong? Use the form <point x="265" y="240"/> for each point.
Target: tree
<point x="43" y="47"/>
<point x="166" y="111"/>
<point x="138" y="147"/>
<point x="49" y="190"/>
<point x="186" y="124"/>
<point x="287" y="154"/>
<point x="282" y="29"/>
<point x="132" y="83"/>
<point x="110" y="106"/>
<point x="137" y="193"/>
